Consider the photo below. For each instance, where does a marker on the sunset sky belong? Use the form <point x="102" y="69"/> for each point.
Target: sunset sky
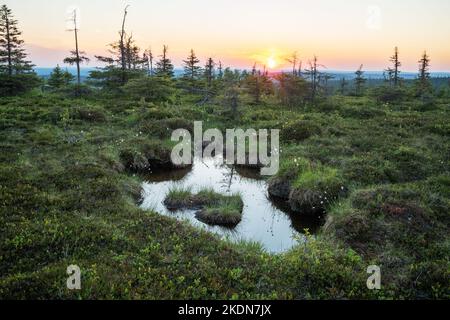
<point x="343" y="34"/>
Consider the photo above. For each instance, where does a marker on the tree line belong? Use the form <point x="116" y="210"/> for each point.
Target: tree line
<point x="130" y="70"/>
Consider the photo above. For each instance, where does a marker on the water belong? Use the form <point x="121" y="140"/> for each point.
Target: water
<point x="268" y="222"/>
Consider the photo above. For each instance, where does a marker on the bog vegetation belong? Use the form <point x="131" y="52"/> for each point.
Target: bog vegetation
<point x="375" y="158"/>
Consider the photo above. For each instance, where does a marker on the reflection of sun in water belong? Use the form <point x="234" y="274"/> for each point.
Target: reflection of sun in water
<point x="271" y="62"/>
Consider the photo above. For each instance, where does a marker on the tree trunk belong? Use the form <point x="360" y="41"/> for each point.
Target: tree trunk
<point x="77" y="52"/>
<point x="8" y="45"/>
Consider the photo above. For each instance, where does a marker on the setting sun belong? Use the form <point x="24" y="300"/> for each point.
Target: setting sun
<point x="271" y="62"/>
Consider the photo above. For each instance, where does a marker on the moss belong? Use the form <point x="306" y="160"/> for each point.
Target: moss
<point x="142" y="156"/>
<point x="280" y="186"/>
<point x="316" y="188"/>
<point x="394" y="226"/>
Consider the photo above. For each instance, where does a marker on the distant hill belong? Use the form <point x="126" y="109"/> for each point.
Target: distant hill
<point x="337" y="75"/>
<point x="45" y="72"/>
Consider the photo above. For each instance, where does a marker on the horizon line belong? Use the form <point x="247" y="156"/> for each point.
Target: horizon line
<point x="250" y="68"/>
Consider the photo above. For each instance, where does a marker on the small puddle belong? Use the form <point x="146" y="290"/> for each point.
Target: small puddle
<point x="265" y="221"/>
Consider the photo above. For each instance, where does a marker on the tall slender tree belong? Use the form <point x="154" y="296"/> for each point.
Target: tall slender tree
<point x="314" y="77"/>
<point x="209" y="72"/>
<point x="192" y="68"/>
<point x="343" y="85"/>
<point x="220" y="70"/>
<point x="423" y="83"/>
<point x="293" y="60"/>
<point x="394" y="71"/>
<point x="231" y="91"/>
<point x="164" y="67"/>
<point x="148" y="61"/>
<point x="122" y="47"/>
<point x="12" y="54"/>
<point x="77" y="57"/>
<point x="359" y="80"/>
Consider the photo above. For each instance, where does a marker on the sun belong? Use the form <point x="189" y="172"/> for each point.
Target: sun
<point x="271" y="62"/>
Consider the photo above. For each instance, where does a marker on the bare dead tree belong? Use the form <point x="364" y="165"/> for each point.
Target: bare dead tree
<point x="315" y="77"/>
<point x="293" y="60"/>
<point x="77" y="57"/>
<point x="148" y="57"/>
<point x="122" y="46"/>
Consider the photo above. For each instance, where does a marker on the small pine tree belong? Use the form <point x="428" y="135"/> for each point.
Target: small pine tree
<point x="12" y="55"/>
<point x="164" y="67"/>
<point x="254" y="86"/>
<point x="220" y="71"/>
<point x="192" y="72"/>
<point x="232" y="90"/>
<point x="423" y="83"/>
<point x="59" y="79"/>
<point x="191" y="67"/>
<point x="359" y="81"/>
<point x="209" y="72"/>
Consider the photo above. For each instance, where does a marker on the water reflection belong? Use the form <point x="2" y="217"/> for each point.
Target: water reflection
<point x="268" y="222"/>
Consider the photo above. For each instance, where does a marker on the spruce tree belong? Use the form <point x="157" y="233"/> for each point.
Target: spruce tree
<point x="359" y="80"/>
<point x="394" y="71"/>
<point x="59" y="78"/>
<point x="164" y="67"/>
<point x="12" y="55"/>
<point x="209" y="72"/>
<point x="191" y="67"/>
<point x="423" y="83"/>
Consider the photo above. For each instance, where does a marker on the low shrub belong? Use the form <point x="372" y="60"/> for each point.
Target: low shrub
<point x="299" y="130"/>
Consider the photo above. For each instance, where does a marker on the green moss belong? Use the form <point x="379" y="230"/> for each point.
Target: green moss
<point x="315" y="188"/>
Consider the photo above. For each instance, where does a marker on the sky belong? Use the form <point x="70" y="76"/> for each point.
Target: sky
<point x="342" y="33"/>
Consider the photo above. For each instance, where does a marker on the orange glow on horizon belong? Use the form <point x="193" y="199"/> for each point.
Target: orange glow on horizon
<point x="357" y="32"/>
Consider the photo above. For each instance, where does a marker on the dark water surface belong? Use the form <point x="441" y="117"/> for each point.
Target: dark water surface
<point x="268" y="222"/>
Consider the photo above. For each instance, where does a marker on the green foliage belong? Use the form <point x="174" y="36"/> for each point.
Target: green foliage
<point x="293" y="91"/>
<point x="111" y="78"/>
<point x="12" y="54"/>
<point x="315" y="188"/>
<point x="59" y="78"/>
<point x="389" y="94"/>
<point x="299" y="130"/>
<point x="403" y="231"/>
<point x="164" y="66"/>
<point x="18" y="84"/>
<point x="214" y="208"/>
<point x="164" y="128"/>
<point x="152" y="89"/>
<point x="69" y="196"/>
